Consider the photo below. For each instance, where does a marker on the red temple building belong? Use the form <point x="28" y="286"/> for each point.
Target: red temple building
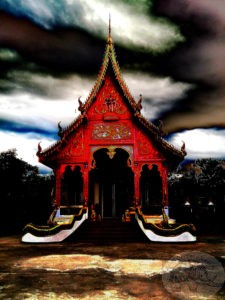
<point x="111" y="162"/>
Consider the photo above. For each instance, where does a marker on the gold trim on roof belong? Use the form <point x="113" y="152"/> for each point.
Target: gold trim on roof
<point x="110" y="57"/>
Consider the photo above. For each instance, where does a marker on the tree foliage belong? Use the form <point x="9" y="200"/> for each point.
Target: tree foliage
<point x="204" y="178"/>
<point x="24" y="193"/>
<point x="202" y="185"/>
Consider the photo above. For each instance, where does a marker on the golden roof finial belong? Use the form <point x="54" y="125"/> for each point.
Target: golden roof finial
<point x="109" y="33"/>
<point x="109" y="25"/>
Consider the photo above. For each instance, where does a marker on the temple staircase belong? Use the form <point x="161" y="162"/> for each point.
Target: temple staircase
<point x="108" y="231"/>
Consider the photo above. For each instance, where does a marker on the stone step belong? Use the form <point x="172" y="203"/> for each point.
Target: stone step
<point x="108" y="231"/>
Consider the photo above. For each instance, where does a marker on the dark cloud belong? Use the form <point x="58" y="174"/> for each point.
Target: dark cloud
<point x="202" y="17"/>
<point x="199" y="60"/>
<point x="202" y="23"/>
<point x="58" y="52"/>
<point x="202" y="108"/>
<point x="65" y="49"/>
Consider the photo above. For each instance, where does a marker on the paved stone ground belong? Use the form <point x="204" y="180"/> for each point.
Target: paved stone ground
<point x="112" y="271"/>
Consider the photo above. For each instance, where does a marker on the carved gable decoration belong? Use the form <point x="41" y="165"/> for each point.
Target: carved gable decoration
<point x="75" y="146"/>
<point x="145" y="146"/>
<point x="109" y="105"/>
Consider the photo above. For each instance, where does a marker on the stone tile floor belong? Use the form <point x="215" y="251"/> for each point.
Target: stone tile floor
<point x="112" y="271"/>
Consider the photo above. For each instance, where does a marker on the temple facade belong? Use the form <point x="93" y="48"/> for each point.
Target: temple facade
<point x="111" y="157"/>
<point x="111" y="163"/>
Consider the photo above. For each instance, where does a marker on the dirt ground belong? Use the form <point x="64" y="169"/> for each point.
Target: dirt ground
<point x="112" y="271"/>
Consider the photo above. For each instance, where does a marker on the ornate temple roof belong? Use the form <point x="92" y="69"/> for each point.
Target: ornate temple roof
<point x="110" y="59"/>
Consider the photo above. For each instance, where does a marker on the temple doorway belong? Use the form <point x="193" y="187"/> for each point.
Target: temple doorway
<point x="72" y="186"/>
<point x="111" y="182"/>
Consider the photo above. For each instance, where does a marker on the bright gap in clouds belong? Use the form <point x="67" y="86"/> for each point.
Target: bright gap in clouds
<point x="31" y="111"/>
<point x="55" y="99"/>
<point x="26" y="146"/>
<point x="52" y="100"/>
<point x="159" y="94"/>
<point x="131" y="24"/>
<point x="201" y="143"/>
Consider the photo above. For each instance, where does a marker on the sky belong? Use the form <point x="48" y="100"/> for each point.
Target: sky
<point x="172" y="52"/>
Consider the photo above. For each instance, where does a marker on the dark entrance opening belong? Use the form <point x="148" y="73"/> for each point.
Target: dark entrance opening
<point x="72" y="186"/>
<point x="111" y="182"/>
<point x="151" y="190"/>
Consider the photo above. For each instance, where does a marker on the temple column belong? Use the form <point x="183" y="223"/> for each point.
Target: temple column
<point x="137" y="175"/>
<point x="85" y="172"/>
<point x="164" y="187"/>
<point x="58" y="176"/>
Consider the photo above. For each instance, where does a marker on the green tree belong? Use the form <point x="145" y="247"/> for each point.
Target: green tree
<point x="202" y="184"/>
<point x="24" y="193"/>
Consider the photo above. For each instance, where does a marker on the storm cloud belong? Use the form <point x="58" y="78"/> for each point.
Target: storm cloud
<point x="199" y="60"/>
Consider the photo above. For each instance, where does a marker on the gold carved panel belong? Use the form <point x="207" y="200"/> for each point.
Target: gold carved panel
<point x="111" y="131"/>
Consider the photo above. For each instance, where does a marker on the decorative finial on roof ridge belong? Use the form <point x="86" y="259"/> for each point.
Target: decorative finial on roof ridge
<point x="109" y="30"/>
<point x="109" y="24"/>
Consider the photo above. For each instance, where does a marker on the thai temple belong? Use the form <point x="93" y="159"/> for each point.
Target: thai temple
<point x="110" y="163"/>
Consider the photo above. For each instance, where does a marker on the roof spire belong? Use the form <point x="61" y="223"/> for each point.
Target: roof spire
<point x="109" y="25"/>
<point x="109" y="30"/>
